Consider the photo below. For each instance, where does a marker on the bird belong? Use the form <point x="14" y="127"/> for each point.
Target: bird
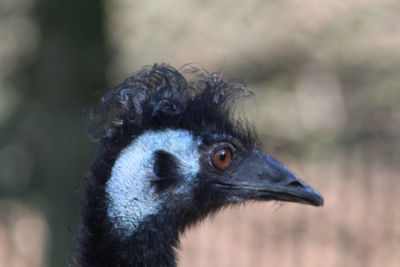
<point x="172" y="150"/>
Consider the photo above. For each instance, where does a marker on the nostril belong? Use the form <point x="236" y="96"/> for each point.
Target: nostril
<point x="296" y="184"/>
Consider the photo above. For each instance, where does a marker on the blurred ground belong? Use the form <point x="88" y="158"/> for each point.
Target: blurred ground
<point x="327" y="82"/>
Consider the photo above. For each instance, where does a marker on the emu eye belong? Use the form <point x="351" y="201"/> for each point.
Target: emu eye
<point x="222" y="158"/>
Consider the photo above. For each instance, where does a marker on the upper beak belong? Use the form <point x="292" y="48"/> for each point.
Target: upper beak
<point x="262" y="177"/>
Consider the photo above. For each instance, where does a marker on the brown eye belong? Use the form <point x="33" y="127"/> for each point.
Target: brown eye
<point x="222" y="158"/>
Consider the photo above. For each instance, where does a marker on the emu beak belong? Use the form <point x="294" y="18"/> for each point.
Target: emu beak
<point x="261" y="177"/>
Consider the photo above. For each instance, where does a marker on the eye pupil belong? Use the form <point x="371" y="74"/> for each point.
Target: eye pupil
<point x="222" y="158"/>
<point x="222" y="155"/>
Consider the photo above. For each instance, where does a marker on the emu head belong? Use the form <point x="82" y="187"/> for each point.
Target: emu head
<point x="175" y="148"/>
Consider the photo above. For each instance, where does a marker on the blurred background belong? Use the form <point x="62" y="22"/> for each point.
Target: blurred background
<point x="326" y="75"/>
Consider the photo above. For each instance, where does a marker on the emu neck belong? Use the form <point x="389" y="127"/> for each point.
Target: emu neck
<point x="152" y="244"/>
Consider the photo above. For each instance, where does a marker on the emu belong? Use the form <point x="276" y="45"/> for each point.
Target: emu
<point x="172" y="151"/>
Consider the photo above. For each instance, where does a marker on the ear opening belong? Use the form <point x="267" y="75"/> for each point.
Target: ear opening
<point x="166" y="170"/>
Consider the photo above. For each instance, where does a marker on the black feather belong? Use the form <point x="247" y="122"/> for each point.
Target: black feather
<point x="160" y="97"/>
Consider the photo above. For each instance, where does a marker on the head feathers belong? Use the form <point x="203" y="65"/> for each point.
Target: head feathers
<point x="161" y="97"/>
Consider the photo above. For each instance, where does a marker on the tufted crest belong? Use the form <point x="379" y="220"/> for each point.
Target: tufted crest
<point x="160" y="96"/>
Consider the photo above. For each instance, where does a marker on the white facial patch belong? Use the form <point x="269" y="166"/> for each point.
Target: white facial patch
<point x="129" y="191"/>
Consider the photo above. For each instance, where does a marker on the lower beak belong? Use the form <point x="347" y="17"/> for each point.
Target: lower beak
<point x="292" y="193"/>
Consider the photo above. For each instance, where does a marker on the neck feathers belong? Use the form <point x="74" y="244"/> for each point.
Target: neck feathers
<point x="153" y="244"/>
